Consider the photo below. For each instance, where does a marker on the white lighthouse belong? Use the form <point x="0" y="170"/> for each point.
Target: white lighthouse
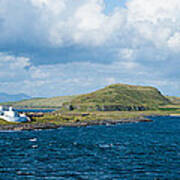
<point x="11" y="115"/>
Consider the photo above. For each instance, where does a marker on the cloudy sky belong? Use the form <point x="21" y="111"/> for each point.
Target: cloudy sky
<point x="63" y="47"/>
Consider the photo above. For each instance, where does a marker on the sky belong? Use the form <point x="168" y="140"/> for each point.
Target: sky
<point x="65" y="47"/>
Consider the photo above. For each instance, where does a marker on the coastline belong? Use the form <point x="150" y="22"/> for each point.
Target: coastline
<point x="175" y="115"/>
<point x="39" y="126"/>
<point x="76" y="119"/>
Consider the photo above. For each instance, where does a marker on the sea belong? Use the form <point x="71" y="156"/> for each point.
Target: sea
<point x="35" y="110"/>
<point x="123" y="151"/>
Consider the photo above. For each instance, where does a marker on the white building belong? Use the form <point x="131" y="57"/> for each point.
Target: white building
<point x="12" y="116"/>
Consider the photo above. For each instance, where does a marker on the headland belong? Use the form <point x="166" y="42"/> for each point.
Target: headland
<point x="113" y="104"/>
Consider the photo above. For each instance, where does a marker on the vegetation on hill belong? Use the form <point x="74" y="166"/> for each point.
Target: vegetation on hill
<point x="174" y="106"/>
<point x="91" y="109"/>
<point x="54" y="102"/>
<point x="71" y="118"/>
<point x="174" y="100"/>
<point x="119" y="97"/>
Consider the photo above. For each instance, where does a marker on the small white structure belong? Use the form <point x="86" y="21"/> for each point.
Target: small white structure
<point x="12" y="116"/>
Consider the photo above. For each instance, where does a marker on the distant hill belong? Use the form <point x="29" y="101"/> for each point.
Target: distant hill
<point x="4" y="97"/>
<point x="111" y="98"/>
<point x="118" y="97"/>
<point x="54" y="102"/>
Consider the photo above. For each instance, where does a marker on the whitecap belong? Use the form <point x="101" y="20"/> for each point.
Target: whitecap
<point x="33" y="140"/>
<point x="105" y="145"/>
<point x="34" y="146"/>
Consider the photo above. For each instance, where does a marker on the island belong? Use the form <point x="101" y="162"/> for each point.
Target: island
<point x="118" y="103"/>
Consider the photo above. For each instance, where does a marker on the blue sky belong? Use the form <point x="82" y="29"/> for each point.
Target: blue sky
<point x="112" y="4"/>
<point x="59" y="47"/>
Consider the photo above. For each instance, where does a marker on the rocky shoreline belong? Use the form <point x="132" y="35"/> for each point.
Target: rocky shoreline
<point x="39" y="126"/>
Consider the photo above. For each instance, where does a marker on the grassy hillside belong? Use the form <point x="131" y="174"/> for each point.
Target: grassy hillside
<point x="174" y="106"/>
<point x="119" y="97"/>
<point x="54" y="102"/>
<point x="174" y="100"/>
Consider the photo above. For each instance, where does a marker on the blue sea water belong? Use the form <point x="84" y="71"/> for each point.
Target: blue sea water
<point x="123" y="151"/>
<point x="35" y="110"/>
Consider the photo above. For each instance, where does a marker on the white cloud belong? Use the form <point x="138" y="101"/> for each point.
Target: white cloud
<point x="174" y="42"/>
<point x="127" y="54"/>
<point x="153" y="11"/>
<point x="75" y="78"/>
<point x="58" y="22"/>
<point x="154" y="21"/>
<point x="140" y="38"/>
<point x="13" y="67"/>
<point x="111" y="80"/>
<point x="61" y="23"/>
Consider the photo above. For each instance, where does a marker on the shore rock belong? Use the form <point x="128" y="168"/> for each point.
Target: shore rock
<point x="36" y="126"/>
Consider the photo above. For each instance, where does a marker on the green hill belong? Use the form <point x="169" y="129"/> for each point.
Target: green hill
<point x="54" y="102"/>
<point x="118" y="97"/>
<point x="174" y="100"/>
<point x="174" y="106"/>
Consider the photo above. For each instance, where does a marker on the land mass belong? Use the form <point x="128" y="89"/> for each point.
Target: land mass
<point x="119" y="97"/>
<point x="117" y="103"/>
<point x="4" y="97"/>
<point x="38" y="103"/>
